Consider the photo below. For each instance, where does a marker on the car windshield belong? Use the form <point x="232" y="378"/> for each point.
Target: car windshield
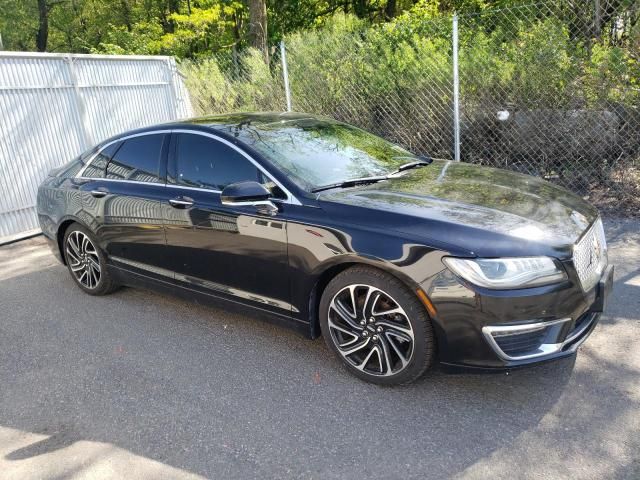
<point x="315" y="153"/>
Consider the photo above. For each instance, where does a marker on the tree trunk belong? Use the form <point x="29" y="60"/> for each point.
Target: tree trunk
<point x="126" y="14"/>
<point x="169" y="26"/>
<point x="360" y="8"/>
<point x="597" y="20"/>
<point x="237" y="25"/>
<point x="43" y="26"/>
<point x="173" y="6"/>
<point x="390" y="9"/>
<point x="258" y="26"/>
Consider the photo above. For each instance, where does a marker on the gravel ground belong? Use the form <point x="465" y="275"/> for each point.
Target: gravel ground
<point x="137" y="385"/>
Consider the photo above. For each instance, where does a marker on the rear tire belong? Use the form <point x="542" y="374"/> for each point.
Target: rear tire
<point x="376" y="326"/>
<point x="86" y="262"/>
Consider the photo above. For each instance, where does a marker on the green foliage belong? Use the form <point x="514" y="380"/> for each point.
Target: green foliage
<point x="198" y="32"/>
<point x="202" y="31"/>
<point x="208" y="86"/>
<point x="141" y="40"/>
<point x="229" y="82"/>
<point x="612" y="74"/>
<point x="531" y="65"/>
<point x="17" y="24"/>
<point x="184" y="28"/>
<point x="542" y="63"/>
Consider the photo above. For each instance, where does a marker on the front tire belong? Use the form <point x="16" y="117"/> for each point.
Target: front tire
<point x="86" y="262"/>
<point x="376" y="326"/>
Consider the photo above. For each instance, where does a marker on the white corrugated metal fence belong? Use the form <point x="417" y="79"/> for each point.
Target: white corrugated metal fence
<point x="54" y="106"/>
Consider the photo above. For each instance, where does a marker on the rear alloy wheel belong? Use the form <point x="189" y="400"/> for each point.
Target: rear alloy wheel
<point x="377" y="326"/>
<point x="86" y="262"/>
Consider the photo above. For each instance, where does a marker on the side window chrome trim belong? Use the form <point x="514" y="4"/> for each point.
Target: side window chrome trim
<point x="121" y="180"/>
<point x="211" y="190"/>
<point x="198" y="189"/>
<point x="121" y="139"/>
<point x="291" y="199"/>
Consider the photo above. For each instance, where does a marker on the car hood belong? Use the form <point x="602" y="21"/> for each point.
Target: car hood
<point x="475" y="200"/>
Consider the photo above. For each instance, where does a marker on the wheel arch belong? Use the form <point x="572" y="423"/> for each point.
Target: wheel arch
<point x="63" y="226"/>
<point x="330" y="271"/>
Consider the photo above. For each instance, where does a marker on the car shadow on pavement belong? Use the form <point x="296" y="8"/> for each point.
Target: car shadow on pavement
<point x="219" y="394"/>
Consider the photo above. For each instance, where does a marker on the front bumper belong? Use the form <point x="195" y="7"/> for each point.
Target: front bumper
<point x="557" y="338"/>
<point x="498" y="330"/>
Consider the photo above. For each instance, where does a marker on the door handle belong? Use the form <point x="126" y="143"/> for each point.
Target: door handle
<point x="181" y="202"/>
<point x="99" y="193"/>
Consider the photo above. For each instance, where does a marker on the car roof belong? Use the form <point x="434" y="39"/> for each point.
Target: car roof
<point x="226" y="121"/>
<point x="255" y="118"/>
<point x="236" y="119"/>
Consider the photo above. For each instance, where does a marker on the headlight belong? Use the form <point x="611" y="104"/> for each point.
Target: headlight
<point x="506" y="273"/>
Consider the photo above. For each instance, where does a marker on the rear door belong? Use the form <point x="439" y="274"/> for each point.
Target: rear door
<point x="123" y="199"/>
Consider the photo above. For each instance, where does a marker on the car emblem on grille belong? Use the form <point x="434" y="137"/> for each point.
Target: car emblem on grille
<point x="579" y="219"/>
<point x="594" y="255"/>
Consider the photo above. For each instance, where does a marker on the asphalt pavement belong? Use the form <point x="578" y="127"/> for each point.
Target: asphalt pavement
<point x="140" y="385"/>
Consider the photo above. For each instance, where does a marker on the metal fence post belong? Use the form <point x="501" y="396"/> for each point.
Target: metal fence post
<point x="285" y="74"/>
<point x="597" y="18"/>
<point x="171" y="85"/>
<point x="456" y="92"/>
<point x="80" y="105"/>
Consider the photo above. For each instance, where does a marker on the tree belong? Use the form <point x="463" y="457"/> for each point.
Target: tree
<point x="258" y="26"/>
<point x="42" y="34"/>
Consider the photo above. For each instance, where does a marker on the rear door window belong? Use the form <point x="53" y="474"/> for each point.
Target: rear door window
<point x="98" y="166"/>
<point x="137" y="159"/>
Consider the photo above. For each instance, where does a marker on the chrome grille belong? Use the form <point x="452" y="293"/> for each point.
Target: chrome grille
<point x="590" y="256"/>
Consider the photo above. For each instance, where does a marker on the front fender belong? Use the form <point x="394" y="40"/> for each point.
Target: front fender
<point x="316" y="254"/>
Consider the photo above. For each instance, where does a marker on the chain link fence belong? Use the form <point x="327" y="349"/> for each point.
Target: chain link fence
<point x="395" y="85"/>
<point x="550" y="89"/>
<point x="553" y="90"/>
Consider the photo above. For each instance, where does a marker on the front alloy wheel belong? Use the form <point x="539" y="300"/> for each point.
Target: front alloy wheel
<point x="376" y="326"/>
<point x="371" y="330"/>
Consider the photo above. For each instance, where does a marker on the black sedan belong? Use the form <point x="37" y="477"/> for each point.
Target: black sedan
<point x="398" y="260"/>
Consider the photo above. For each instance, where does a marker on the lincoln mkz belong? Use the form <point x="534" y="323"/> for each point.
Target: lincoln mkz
<point x="397" y="260"/>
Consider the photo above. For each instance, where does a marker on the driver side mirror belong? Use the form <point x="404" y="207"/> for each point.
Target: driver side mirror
<point x="249" y="194"/>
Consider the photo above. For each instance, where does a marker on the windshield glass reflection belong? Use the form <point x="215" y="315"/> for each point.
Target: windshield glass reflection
<point x="320" y="152"/>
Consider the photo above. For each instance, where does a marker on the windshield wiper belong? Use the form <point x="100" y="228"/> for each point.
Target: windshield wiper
<point x="350" y="183"/>
<point x="408" y="166"/>
<point x="367" y="180"/>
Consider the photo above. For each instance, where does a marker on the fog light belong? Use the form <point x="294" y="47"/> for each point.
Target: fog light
<point x="525" y="341"/>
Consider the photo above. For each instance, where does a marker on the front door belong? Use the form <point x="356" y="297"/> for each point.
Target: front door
<point x="227" y="251"/>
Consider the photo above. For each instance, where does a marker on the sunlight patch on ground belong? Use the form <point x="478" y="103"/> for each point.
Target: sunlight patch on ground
<point x="634" y="281"/>
<point x="25" y="257"/>
<point x="27" y="456"/>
